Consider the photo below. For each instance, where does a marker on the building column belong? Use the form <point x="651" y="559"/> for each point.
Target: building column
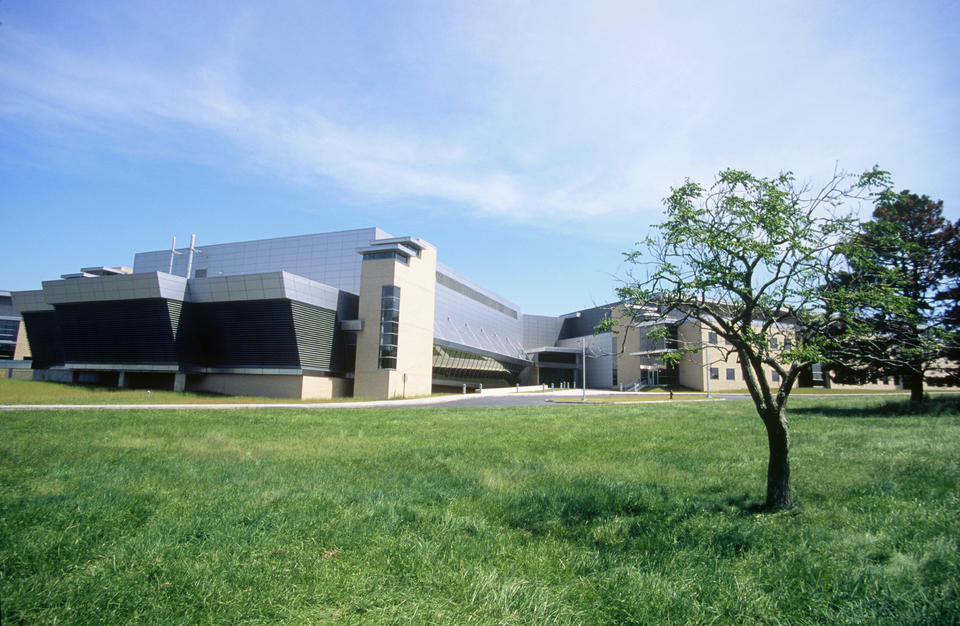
<point x="180" y="382"/>
<point x="122" y="380"/>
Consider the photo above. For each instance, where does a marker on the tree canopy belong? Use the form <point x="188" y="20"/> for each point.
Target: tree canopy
<point x="904" y="262"/>
<point x="748" y="258"/>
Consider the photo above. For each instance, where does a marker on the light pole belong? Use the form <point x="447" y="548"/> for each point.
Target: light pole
<point x="706" y="358"/>
<point x="583" y="371"/>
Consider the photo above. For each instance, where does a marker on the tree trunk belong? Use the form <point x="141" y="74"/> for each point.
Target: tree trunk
<point x="916" y="387"/>
<point x="778" y="468"/>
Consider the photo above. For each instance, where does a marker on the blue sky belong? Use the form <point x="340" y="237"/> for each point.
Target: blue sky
<point x="532" y="142"/>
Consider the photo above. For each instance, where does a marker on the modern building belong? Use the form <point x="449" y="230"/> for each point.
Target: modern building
<point x="355" y="312"/>
<point x="350" y="313"/>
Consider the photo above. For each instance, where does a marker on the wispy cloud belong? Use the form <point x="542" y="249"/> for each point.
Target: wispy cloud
<point x="569" y="114"/>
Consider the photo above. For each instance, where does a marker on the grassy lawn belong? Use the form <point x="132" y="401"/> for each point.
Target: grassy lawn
<point x="40" y="392"/>
<point x="569" y="514"/>
<point x="631" y="398"/>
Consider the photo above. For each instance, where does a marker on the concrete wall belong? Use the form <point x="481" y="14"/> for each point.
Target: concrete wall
<point x="264" y="385"/>
<point x="690" y="373"/>
<point x="413" y="375"/>
<point x="22" y="349"/>
<point x="53" y="376"/>
<point x="271" y="385"/>
<point x="326" y="387"/>
<point x="627" y="341"/>
<point x="18" y="373"/>
<point x="694" y="368"/>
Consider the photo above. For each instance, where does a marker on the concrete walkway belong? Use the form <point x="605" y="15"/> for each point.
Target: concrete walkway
<point x="498" y="397"/>
<point x="508" y="396"/>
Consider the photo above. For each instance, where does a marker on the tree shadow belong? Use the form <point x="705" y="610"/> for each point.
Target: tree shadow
<point x="629" y="516"/>
<point x="746" y="504"/>
<point x="930" y="407"/>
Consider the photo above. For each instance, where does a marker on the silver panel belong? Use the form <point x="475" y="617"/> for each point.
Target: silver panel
<point x="327" y="258"/>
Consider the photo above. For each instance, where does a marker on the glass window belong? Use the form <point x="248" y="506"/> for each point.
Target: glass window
<point x="389" y="326"/>
<point x="9" y="329"/>
<point x="714" y="373"/>
<point x="712" y="338"/>
<point x="787" y="344"/>
<point x="816" y="372"/>
<point x="773" y="342"/>
<point x="202" y="273"/>
<point x="731" y="373"/>
<point x="370" y="256"/>
<point x="774" y="376"/>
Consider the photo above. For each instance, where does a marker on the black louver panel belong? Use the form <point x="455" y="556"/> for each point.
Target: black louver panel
<point x="120" y="331"/>
<point x="315" y="329"/>
<point x="259" y="334"/>
<point x="238" y="334"/>
<point x="43" y="333"/>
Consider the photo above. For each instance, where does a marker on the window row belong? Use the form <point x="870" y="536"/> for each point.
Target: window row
<point x="713" y="340"/>
<point x="732" y="374"/>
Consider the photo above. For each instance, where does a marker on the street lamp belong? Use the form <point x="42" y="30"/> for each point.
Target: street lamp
<point x="583" y="372"/>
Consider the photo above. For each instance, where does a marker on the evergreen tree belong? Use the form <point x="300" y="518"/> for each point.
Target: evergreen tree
<point x="903" y="264"/>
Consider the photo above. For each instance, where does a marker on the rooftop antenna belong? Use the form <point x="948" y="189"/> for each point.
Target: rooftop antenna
<point x="193" y="250"/>
<point x="173" y="251"/>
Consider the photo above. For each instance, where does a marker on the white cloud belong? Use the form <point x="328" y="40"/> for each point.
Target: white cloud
<point x="529" y="112"/>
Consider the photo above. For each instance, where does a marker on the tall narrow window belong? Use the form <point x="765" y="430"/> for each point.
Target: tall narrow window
<point x="389" y="326"/>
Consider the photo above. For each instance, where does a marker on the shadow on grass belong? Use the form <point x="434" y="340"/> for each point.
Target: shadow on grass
<point x="570" y="506"/>
<point x="746" y="504"/>
<point x="579" y="507"/>
<point x="930" y="407"/>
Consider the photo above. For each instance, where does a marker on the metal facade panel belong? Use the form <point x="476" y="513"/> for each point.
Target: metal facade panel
<point x="461" y="320"/>
<point x="32" y="300"/>
<point x="328" y="258"/>
<point x="540" y="331"/>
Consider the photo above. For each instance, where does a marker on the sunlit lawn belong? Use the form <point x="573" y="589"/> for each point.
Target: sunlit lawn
<point x="569" y="514"/>
<point x="41" y="392"/>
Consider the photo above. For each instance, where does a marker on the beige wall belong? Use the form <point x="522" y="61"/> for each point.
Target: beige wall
<point x="22" y="349"/>
<point x="325" y="388"/>
<point x="628" y="340"/>
<point x="18" y="374"/>
<point x="693" y="369"/>
<point x="413" y="375"/>
<point x="271" y="385"/>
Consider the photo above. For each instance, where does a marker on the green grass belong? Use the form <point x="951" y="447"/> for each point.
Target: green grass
<point x="40" y="392"/>
<point x="566" y="514"/>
